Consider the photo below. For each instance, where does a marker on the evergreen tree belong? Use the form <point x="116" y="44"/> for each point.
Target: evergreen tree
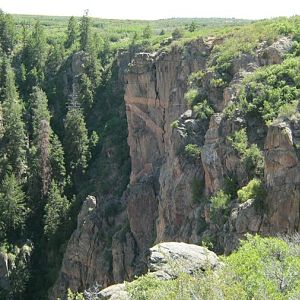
<point x="76" y="142"/>
<point x="41" y="137"/>
<point x="85" y="32"/>
<point x="15" y="141"/>
<point x="56" y="211"/>
<point x="86" y="95"/>
<point x="57" y="162"/>
<point x="7" y="32"/>
<point x="147" y="32"/>
<point x="72" y="33"/>
<point x="39" y="109"/>
<point x="55" y="60"/>
<point x="13" y="211"/>
<point x="35" y="55"/>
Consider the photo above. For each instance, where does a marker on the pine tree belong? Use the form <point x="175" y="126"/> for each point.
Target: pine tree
<point x="35" y="55"/>
<point x="86" y="94"/>
<point x="72" y="33"/>
<point x="41" y="137"/>
<point x="39" y="109"/>
<point x="56" y="211"/>
<point x="76" y="142"/>
<point x="13" y="211"/>
<point x="57" y="162"/>
<point x="85" y="32"/>
<point x="14" y="139"/>
<point x="7" y="33"/>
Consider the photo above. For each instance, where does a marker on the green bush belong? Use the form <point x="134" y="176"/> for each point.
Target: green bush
<point x="219" y="207"/>
<point x="268" y="89"/>
<point x="175" y="124"/>
<point x="203" y="110"/>
<point x="251" y="156"/>
<point x="192" y="97"/>
<point x="192" y="150"/>
<point x="253" y="190"/>
<point x="220" y="200"/>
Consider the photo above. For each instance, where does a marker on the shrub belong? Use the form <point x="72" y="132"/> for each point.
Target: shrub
<point x="220" y="200"/>
<point x="195" y="78"/>
<point x="218" y="207"/>
<point x="177" y="34"/>
<point x="192" y="97"/>
<point x="253" y="190"/>
<point x="203" y="110"/>
<point x="251" y="156"/>
<point x="193" y="150"/>
<point x="175" y="124"/>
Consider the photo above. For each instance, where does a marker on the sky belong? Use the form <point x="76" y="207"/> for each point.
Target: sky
<point x="155" y="9"/>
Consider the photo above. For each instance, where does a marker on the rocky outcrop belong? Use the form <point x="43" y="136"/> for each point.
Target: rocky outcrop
<point x="282" y="177"/>
<point x="168" y="260"/>
<point x="165" y="262"/>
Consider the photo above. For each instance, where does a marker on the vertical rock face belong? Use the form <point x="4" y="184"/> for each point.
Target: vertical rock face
<point x="282" y="176"/>
<point x="154" y="97"/>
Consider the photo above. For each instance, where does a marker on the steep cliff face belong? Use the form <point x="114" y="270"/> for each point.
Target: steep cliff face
<point x="166" y="199"/>
<point x="154" y="98"/>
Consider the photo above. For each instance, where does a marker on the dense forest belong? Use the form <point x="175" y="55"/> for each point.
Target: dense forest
<point x="63" y="129"/>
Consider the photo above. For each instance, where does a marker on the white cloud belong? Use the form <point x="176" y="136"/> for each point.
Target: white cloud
<point x="156" y="9"/>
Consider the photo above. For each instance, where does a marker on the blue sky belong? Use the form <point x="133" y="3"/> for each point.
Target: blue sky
<point x="155" y="9"/>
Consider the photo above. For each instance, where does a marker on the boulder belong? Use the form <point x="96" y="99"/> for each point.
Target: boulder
<point x="114" y="292"/>
<point x="167" y="260"/>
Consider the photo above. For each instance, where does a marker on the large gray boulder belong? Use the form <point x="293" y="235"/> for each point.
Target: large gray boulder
<point x="114" y="292"/>
<point x="167" y="260"/>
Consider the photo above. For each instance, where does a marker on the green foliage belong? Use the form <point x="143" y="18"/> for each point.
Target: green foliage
<point x="13" y="208"/>
<point x="147" y="32"/>
<point x="39" y="109"/>
<point x="266" y="267"/>
<point x="72" y="32"/>
<point x="192" y="97"/>
<point x="7" y="33"/>
<point x="177" y="34"/>
<point x="35" y="55"/>
<point x="85" y="32"/>
<point x="253" y="190"/>
<point x="86" y="93"/>
<point x="289" y="111"/>
<point x="76" y="142"/>
<point x="251" y="156"/>
<point x="195" y="78"/>
<point x="74" y="296"/>
<point x="175" y="124"/>
<point x="218" y="206"/>
<point x="192" y="150"/>
<point x="56" y="211"/>
<point x="202" y="110"/>
<point x="58" y="169"/>
<point x="220" y="200"/>
<point x="268" y="89"/>
<point x="14" y="138"/>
